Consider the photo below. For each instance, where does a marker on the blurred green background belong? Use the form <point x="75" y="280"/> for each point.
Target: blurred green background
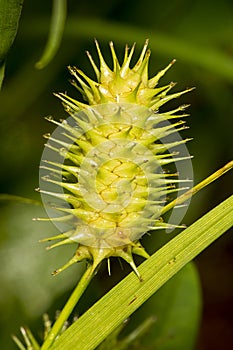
<point x="199" y="35"/>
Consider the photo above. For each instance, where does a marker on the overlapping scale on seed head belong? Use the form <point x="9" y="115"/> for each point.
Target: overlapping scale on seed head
<point x="118" y="187"/>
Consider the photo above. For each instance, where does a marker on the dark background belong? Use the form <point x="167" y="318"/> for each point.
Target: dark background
<point x="199" y="35"/>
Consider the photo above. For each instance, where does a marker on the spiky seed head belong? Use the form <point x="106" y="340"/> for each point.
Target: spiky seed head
<point x="112" y="152"/>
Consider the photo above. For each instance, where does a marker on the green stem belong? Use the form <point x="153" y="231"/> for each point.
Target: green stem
<point x="181" y="199"/>
<point x="69" y="306"/>
<point x="55" y="34"/>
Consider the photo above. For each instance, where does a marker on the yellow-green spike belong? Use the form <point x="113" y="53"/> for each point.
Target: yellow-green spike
<point x="154" y="81"/>
<point x="65" y="266"/>
<point x="53" y="238"/>
<point x="167" y="98"/>
<point x="97" y="72"/>
<point x="58" y="244"/>
<point x="116" y="65"/>
<point x="127" y="60"/>
<point x="142" y="58"/>
<point x="105" y="71"/>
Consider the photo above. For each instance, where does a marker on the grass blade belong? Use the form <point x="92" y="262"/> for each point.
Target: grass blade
<point x="110" y="311"/>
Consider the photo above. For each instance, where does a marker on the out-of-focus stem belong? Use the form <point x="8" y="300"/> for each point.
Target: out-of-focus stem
<point x="55" y="34"/>
<point x="69" y="306"/>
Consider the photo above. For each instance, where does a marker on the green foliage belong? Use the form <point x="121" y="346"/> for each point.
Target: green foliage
<point x="10" y="11"/>
<point x="130" y="294"/>
<point x="198" y="34"/>
<point x="177" y="310"/>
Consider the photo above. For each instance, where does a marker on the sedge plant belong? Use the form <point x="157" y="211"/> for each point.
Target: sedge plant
<point x="107" y="169"/>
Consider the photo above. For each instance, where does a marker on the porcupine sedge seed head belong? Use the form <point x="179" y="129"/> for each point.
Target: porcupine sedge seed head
<point x="111" y="158"/>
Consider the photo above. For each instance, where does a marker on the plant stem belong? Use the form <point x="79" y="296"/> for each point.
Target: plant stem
<point x="181" y="199"/>
<point x="55" y="34"/>
<point x="69" y="306"/>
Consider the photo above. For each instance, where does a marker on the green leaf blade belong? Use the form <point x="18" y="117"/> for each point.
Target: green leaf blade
<point x="109" y="312"/>
<point x="177" y="307"/>
<point x="10" y="11"/>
